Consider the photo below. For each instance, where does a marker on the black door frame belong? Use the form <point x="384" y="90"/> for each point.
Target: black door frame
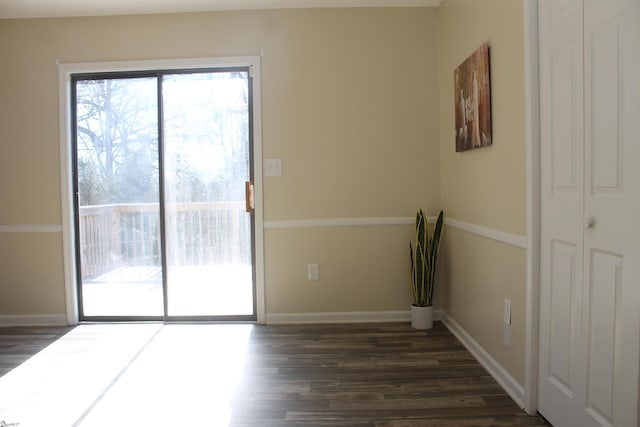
<point x="158" y="74"/>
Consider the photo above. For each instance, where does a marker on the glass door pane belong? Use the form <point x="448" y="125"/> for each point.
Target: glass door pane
<point x="206" y="164"/>
<point x="118" y="216"/>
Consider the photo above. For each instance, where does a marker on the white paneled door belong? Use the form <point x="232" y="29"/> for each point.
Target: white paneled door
<point x="590" y="212"/>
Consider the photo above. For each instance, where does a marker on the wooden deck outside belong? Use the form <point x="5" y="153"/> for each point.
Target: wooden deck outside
<point x="192" y="291"/>
<point x="208" y="243"/>
<point x="118" y="235"/>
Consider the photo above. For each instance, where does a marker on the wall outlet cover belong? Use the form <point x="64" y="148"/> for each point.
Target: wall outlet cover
<point x="313" y="272"/>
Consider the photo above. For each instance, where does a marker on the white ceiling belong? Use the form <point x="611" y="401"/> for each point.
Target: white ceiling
<point x="62" y="8"/>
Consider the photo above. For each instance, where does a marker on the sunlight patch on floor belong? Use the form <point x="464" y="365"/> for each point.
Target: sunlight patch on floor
<point x="129" y="375"/>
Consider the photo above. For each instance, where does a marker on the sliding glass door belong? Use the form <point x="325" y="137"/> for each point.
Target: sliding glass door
<point x="162" y="225"/>
<point x="208" y="231"/>
<point x="117" y="187"/>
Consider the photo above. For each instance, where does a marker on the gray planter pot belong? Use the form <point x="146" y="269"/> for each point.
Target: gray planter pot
<point x="421" y="317"/>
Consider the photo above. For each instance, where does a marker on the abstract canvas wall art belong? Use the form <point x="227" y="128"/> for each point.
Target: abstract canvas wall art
<point x="472" y="94"/>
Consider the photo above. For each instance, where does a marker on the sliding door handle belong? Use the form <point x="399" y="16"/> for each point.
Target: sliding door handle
<point x="248" y="189"/>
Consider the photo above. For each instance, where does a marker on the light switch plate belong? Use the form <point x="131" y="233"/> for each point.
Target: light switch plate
<point x="272" y="167"/>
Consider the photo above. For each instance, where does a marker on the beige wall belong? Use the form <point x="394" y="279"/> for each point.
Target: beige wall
<point x="487" y="186"/>
<point x="359" y="105"/>
<point x="367" y="270"/>
<point x="348" y="103"/>
<point x="31" y="275"/>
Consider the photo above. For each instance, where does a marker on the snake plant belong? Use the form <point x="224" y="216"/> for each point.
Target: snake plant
<point x="423" y="259"/>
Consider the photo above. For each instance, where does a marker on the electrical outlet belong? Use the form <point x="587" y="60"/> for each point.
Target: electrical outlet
<point x="507" y="335"/>
<point x="507" y="322"/>
<point x="507" y="311"/>
<point x="313" y="273"/>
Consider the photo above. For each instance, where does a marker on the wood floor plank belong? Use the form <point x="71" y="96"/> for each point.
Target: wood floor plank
<point x="375" y="375"/>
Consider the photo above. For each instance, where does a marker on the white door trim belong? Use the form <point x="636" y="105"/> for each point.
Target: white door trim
<point x="64" y="106"/>
<point x="533" y="165"/>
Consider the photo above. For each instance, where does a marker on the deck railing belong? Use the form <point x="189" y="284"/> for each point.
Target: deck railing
<point x="117" y="235"/>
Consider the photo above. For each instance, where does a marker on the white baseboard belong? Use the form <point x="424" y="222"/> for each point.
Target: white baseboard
<point x="508" y="383"/>
<point x="343" y="317"/>
<point x="338" y="317"/>
<point x="33" y="320"/>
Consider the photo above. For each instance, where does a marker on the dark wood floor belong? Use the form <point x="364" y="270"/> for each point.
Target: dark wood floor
<point x="377" y="375"/>
<point x="17" y="344"/>
<point x="368" y="375"/>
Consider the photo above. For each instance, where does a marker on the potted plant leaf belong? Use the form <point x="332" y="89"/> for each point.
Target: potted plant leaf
<point x="424" y="256"/>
